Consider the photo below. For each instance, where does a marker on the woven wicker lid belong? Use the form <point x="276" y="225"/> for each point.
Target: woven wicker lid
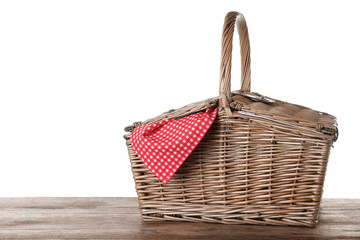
<point x="317" y="123"/>
<point x="286" y="113"/>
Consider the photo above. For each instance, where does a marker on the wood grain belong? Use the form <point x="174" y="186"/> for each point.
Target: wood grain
<point x="119" y="218"/>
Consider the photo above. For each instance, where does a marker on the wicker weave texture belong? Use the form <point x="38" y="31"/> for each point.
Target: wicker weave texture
<point x="261" y="162"/>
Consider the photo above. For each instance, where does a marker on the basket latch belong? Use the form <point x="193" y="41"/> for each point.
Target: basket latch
<point x="254" y="97"/>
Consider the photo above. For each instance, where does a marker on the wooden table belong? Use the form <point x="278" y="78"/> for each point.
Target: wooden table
<point x="119" y="218"/>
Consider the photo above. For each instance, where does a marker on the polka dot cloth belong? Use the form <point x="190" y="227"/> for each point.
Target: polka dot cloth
<point x="163" y="146"/>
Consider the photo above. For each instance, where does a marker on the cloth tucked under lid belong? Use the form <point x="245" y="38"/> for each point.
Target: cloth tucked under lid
<point x="165" y="145"/>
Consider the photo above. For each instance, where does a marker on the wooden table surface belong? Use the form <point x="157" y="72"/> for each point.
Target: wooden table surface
<point x="119" y="218"/>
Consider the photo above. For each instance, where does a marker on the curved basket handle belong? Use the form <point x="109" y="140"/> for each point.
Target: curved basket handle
<point x="231" y="19"/>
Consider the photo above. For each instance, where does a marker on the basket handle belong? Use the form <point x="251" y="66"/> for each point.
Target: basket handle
<point x="231" y="19"/>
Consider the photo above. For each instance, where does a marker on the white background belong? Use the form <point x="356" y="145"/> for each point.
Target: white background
<point x="73" y="74"/>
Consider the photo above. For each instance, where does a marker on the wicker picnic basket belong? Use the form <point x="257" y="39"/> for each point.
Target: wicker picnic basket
<point x="263" y="161"/>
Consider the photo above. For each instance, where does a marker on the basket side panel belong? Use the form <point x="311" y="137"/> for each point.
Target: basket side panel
<point x="241" y="172"/>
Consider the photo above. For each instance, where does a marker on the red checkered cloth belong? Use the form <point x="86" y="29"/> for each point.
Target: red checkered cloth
<point x="165" y="145"/>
